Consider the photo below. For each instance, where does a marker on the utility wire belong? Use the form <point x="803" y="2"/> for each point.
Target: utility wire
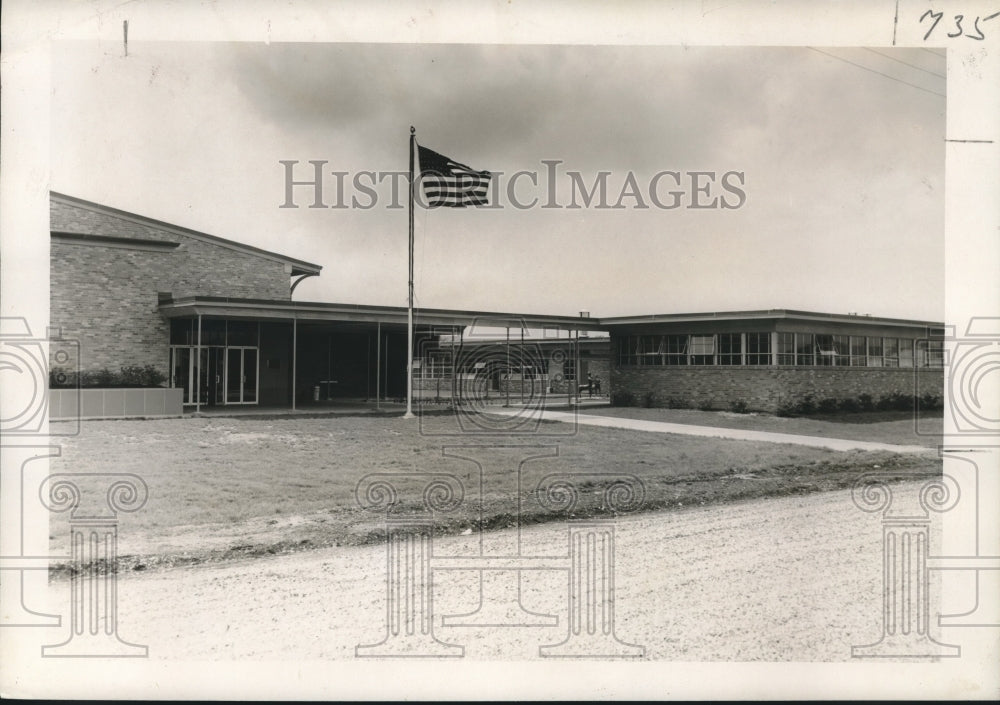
<point x="884" y="75"/>
<point x="912" y="66"/>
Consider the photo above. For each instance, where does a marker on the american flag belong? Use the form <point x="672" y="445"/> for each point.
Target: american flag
<point x="448" y="183"/>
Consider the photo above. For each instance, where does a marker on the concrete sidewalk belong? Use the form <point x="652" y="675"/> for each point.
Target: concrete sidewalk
<point x="718" y="432"/>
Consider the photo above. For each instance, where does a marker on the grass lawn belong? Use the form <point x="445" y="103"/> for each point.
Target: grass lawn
<point x="234" y="487"/>
<point x="897" y="427"/>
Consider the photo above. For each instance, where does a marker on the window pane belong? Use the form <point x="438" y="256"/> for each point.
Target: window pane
<point x="890" y="352"/>
<point x="702" y="344"/>
<point x="180" y="331"/>
<point x="859" y="354"/>
<point x="921" y="353"/>
<point x="935" y="353"/>
<point x="786" y="348"/>
<point x="730" y="349"/>
<point x="874" y="352"/>
<point x="804" y="348"/>
<point x="826" y="353"/>
<point x="906" y="353"/>
<point x="677" y="349"/>
<point x="758" y="348"/>
<point x="702" y="348"/>
<point x="241" y="333"/>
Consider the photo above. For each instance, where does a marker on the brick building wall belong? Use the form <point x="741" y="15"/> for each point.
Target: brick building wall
<point x="766" y="388"/>
<point x="106" y="295"/>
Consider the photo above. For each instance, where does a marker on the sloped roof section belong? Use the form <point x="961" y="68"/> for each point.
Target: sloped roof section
<point x="76" y="216"/>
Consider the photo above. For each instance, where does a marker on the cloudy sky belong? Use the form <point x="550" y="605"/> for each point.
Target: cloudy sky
<point x="841" y="152"/>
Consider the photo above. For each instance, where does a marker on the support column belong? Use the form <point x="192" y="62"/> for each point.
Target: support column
<point x="520" y="357"/>
<point x="198" y="371"/>
<point x="507" y="403"/>
<point x="592" y="597"/>
<point x="454" y="372"/>
<point x="576" y="364"/>
<point x="295" y="357"/>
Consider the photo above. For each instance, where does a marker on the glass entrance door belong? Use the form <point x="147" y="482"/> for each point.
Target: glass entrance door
<point x="241" y="375"/>
<point x="199" y="376"/>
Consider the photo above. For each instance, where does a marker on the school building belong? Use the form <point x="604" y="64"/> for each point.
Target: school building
<point x="216" y="319"/>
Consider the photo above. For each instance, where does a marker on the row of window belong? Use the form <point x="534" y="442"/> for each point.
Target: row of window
<point x="810" y="349"/>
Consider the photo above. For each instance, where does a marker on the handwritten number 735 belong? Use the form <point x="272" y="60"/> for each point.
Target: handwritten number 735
<point x="936" y="17"/>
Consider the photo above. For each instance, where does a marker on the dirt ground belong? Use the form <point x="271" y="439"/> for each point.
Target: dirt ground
<point x="234" y="488"/>
<point x="794" y="578"/>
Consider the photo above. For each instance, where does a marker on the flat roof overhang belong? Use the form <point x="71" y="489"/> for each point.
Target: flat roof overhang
<point x="622" y="323"/>
<point x="263" y="309"/>
<point x="260" y="309"/>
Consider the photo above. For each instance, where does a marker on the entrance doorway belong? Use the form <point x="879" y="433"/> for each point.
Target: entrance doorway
<point x="241" y="375"/>
<point x="220" y="375"/>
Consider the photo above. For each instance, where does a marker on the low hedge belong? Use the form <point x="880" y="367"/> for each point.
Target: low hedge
<point x="130" y="376"/>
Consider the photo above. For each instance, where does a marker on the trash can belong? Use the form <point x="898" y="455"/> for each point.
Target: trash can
<point x="316" y="393"/>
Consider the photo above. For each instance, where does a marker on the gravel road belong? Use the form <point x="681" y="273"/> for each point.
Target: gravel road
<point x="785" y="579"/>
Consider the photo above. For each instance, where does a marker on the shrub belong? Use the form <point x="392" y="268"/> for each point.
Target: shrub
<point x="649" y="400"/>
<point x="129" y="376"/>
<point x="146" y="376"/>
<point x="896" y="401"/>
<point x="786" y="409"/>
<point x="706" y="406"/>
<point x="828" y="405"/>
<point x="807" y="405"/>
<point x="849" y="405"/>
<point x="621" y="397"/>
<point x="674" y="403"/>
<point x="865" y="402"/>
<point x="930" y="402"/>
<point x="739" y="407"/>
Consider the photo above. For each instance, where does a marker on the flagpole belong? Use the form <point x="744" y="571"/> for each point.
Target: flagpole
<point x="409" y="311"/>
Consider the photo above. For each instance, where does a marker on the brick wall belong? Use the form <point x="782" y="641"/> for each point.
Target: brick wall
<point x="599" y="367"/>
<point x="106" y="296"/>
<point x="766" y="388"/>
